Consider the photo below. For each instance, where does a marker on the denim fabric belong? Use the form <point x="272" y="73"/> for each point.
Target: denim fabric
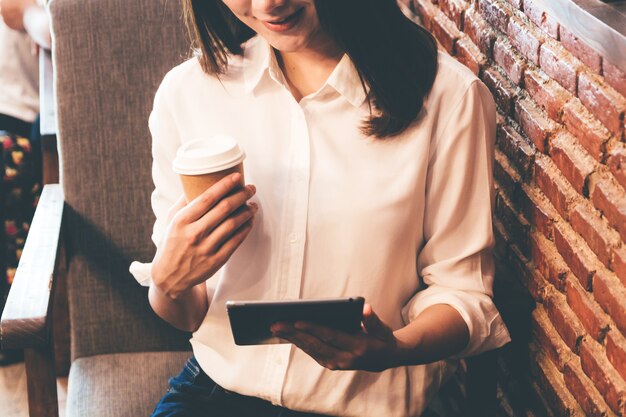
<point x="193" y="394"/>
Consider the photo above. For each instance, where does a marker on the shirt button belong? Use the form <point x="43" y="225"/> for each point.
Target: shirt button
<point x="293" y="238"/>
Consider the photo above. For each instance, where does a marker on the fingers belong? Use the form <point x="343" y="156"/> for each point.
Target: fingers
<point x="373" y="325"/>
<point x="179" y="204"/>
<point x="228" y="248"/>
<point x="205" y="201"/>
<point x="223" y="209"/>
<point x="325" y="355"/>
<point x="340" y="340"/>
<point x="225" y="229"/>
<point x="337" y="350"/>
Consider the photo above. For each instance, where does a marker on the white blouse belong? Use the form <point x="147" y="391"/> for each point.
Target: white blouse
<point x="404" y="222"/>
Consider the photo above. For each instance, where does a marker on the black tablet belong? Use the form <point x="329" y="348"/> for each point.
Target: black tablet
<point x="250" y="321"/>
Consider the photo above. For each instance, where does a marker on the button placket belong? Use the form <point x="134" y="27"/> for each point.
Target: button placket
<point x="289" y="278"/>
<point x="300" y="191"/>
<point x="295" y="235"/>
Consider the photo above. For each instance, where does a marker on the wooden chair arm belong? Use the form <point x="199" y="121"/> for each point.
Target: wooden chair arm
<point x="25" y="322"/>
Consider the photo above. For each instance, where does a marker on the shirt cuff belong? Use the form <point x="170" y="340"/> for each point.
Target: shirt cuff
<point x="487" y="331"/>
<point x="142" y="272"/>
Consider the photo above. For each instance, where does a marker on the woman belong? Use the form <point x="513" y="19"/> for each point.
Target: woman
<point x="371" y="154"/>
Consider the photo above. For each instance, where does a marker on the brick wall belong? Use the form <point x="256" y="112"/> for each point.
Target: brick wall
<point x="560" y="217"/>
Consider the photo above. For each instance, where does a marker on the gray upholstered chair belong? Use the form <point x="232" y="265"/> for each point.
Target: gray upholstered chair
<point x="109" y="57"/>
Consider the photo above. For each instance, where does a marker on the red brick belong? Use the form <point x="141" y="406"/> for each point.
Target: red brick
<point x="610" y="199"/>
<point x="494" y="13"/>
<point x="539" y="17"/>
<point x="536" y="285"/>
<point x="469" y="55"/>
<point x="525" y="39"/>
<point x="501" y="120"/>
<point x="520" y="151"/>
<point x="583" y="390"/>
<point x="581" y="50"/>
<point x="576" y="254"/>
<point x="573" y="161"/>
<point x="516" y="267"/>
<point x="445" y="31"/>
<point x="606" y="379"/>
<point x="616" y="351"/>
<point x="595" y="321"/>
<point x="552" y="183"/>
<point x="508" y="179"/>
<point x="516" y="3"/>
<point x="552" y="385"/>
<point x="611" y="295"/>
<point x="618" y="264"/>
<point x="503" y="401"/>
<point x="427" y="11"/>
<point x="509" y="60"/>
<point x="502" y="238"/>
<point x="603" y="102"/>
<point x="547" y="260"/>
<point x="506" y="176"/>
<point x="455" y="10"/>
<point x="538" y="210"/>
<point x="614" y="76"/>
<point x="595" y="230"/>
<point x="504" y="92"/>
<point x="540" y="405"/>
<point x="546" y="93"/>
<point x="548" y="338"/>
<point x="591" y="134"/>
<point x="559" y="65"/>
<point x="519" y="264"/>
<point x="616" y="161"/>
<point x="534" y="394"/>
<point x="479" y="31"/>
<point x="534" y="123"/>
<point x="564" y="320"/>
<point x="515" y="223"/>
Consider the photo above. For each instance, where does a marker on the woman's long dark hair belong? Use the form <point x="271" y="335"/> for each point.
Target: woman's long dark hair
<point x="396" y="59"/>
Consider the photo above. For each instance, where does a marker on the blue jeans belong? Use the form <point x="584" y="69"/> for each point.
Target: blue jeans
<point x="193" y="394"/>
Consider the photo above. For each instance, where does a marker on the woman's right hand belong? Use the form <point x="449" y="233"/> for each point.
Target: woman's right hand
<point x="202" y="235"/>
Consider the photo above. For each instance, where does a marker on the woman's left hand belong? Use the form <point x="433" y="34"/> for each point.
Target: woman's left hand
<point x="373" y="349"/>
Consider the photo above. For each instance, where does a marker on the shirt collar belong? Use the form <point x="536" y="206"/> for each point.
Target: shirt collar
<point x="259" y="60"/>
<point x="346" y="81"/>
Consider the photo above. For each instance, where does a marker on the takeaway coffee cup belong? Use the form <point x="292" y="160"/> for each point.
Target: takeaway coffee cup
<point x="203" y="162"/>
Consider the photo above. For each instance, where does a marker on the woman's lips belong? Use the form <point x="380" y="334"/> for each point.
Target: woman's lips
<point x="285" y="24"/>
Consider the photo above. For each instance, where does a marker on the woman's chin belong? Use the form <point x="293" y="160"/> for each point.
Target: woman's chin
<point x="286" y="43"/>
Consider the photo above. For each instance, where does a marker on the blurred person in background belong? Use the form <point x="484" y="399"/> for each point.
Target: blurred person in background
<point x="24" y="28"/>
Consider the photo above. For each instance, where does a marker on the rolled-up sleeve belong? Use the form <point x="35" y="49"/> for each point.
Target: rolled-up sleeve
<point x="456" y="262"/>
<point x="167" y="187"/>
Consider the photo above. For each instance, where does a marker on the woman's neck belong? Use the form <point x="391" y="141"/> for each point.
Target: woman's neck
<point x="307" y="71"/>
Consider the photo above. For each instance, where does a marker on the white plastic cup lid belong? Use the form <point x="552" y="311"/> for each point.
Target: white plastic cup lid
<point x="205" y="156"/>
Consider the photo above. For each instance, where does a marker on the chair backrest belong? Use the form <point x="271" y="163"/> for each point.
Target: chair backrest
<point x="109" y="58"/>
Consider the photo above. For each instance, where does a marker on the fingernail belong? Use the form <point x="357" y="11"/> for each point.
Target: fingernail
<point x="236" y="177"/>
<point x="252" y="188"/>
